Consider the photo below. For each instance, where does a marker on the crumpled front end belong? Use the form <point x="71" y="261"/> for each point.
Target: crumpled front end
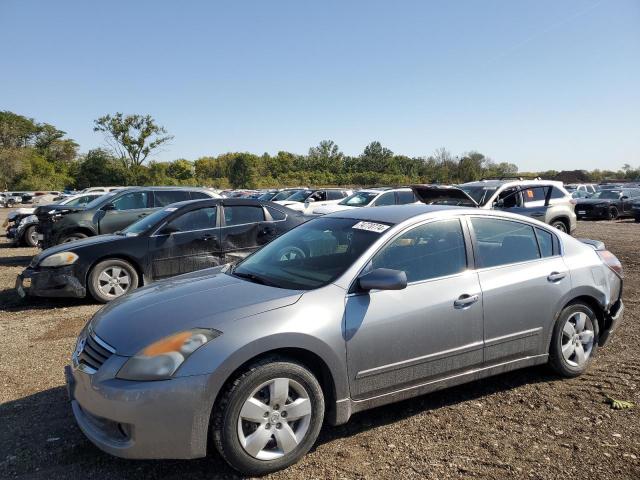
<point x="50" y="282"/>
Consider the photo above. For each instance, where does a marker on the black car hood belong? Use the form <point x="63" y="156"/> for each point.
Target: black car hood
<point x="594" y="201"/>
<point x="443" y="195"/>
<point x="206" y="299"/>
<point x="76" y="246"/>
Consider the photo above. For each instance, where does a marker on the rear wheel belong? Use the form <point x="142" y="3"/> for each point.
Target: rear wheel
<point x="31" y="236"/>
<point x="574" y="341"/>
<point x="560" y="225"/>
<point x="613" y="213"/>
<point x="269" y="417"/>
<point x="73" y="237"/>
<point x="111" y="279"/>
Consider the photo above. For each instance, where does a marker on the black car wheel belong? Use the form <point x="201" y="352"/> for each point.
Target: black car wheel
<point x="613" y="213"/>
<point x="111" y="279"/>
<point x="574" y="341"/>
<point x="73" y="237"/>
<point x="559" y="225"/>
<point x="31" y="236"/>
<point x="268" y="417"/>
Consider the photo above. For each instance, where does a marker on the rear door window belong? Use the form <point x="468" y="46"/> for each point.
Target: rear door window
<point x="502" y="242"/>
<point x="199" y="195"/>
<point x="164" y="198"/>
<point x="388" y="198"/>
<point x="242" y="214"/>
<point x="334" y="195"/>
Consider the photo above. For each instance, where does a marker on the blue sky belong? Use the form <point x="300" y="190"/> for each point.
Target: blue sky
<point x="543" y="84"/>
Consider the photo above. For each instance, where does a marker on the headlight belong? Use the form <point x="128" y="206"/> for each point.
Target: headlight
<point x="59" y="259"/>
<point x="160" y="360"/>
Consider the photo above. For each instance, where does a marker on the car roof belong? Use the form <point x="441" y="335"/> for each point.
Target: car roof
<point x="394" y="213"/>
<point x="499" y="183"/>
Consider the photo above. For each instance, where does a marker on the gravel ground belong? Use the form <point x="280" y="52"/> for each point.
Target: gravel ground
<point x="524" y="424"/>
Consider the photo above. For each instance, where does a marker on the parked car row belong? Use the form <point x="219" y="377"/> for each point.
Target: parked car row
<point x="609" y="204"/>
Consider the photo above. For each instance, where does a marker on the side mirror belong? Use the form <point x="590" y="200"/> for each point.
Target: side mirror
<point x="168" y="230"/>
<point x="108" y="206"/>
<point x="624" y="197"/>
<point x="309" y="200"/>
<point x="383" y="279"/>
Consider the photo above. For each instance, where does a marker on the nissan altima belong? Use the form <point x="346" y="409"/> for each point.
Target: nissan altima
<point x="377" y="305"/>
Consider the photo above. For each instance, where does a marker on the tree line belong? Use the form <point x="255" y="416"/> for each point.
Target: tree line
<point x="39" y="156"/>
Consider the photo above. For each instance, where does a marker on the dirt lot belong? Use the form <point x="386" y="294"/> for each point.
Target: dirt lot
<point x="525" y="424"/>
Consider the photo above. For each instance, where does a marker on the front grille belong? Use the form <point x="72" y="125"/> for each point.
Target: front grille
<point x="94" y="353"/>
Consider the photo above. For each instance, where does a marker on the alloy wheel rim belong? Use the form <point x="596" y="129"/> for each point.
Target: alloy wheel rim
<point x="34" y="237"/>
<point x="560" y="226"/>
<point x="114" y="281"/>
<point x="274" y="419"/>
<point x="577" y="339"/>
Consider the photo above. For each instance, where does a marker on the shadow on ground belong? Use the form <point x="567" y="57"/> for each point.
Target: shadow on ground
<point x="52" y="444"/>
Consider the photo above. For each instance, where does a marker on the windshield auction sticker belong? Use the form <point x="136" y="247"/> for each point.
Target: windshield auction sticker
<point x="371" y="226"/>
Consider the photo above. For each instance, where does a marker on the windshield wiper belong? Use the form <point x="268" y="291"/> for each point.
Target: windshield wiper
<point x="254" y="278"/>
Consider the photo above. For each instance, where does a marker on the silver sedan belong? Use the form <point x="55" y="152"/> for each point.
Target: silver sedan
<point x="343" y="313"/>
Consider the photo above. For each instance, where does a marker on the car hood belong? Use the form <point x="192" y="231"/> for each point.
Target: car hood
<point x="443" y="195"/>
<point x="56" y="208"/>
<point x="204" y="299"/>
<point x="323" y="209"/>
<point x="77" y="246"/>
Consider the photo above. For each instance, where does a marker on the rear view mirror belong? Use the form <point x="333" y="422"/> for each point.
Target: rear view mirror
<point x="383" y="279"/>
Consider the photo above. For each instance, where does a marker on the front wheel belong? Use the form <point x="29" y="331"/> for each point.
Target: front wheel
<point x="73" y="237"/>
<point x="574" y="341"/>
<point x="269" y="417"/>
<point x="31" y="236"/>
<point x="613" y="213"/>
<point x="111" y="279"/>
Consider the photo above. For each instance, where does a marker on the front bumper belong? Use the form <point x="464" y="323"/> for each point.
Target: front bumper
<point x="166" y="419"/>
<point x="612" y="321"/>
<point x="50" y="282"/>
<point x="595" y="212"/>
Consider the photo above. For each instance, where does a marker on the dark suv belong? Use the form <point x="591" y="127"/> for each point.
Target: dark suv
<point x="109" y="213"/>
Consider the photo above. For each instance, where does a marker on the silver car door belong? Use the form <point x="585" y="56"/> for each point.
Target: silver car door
<point x="430" y="329"/>
<point x="523" y="279"/>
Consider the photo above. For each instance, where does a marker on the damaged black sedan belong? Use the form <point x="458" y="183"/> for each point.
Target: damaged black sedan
<point x="177" y="239"/>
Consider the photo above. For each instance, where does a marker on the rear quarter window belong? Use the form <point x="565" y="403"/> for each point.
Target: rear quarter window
<point x="502" y="242"/>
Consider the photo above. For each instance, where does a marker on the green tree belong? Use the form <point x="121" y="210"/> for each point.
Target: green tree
<point x="132" y="138"/>
<point x="242" y="171"/>
<point x="99" y="167"/>
<point x="181" y="169"/>
<point x="326" y="156"/>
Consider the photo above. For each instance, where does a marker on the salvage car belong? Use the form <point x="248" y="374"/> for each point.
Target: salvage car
<point x="386" y="303"/>
<point x="21" y="223"/>
<point x="369" y="197"/>
<point x="180" y="238"/>
<point x="545" y="200"/>
<point x="303" y="199"/>
<point x="608" y="204"/>
<point x="112" y="212"/>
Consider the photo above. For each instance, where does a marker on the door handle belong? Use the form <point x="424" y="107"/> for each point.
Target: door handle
<point x="208" y="237"/>
<point x="537" y="214"/>
<point x="465" y="301"/>
<point x="556" y="276"/>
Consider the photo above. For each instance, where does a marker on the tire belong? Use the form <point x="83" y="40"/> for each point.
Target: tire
<point x="30" y="236"/>
<point x="564" y="355"/>
<point x="613" y="213"/>
<point x="560" y="225"/>
<point x="230" y="433"/>
<point x="110" y="279"/>
<point x="73" y="237"/>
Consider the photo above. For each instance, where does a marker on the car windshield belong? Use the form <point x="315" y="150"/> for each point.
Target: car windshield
<point x="607" y="194"/>
<point x="359" y="199"/>
<point x="312" y="255"/>
<point x="98" y="201"/>
<point x="480" y="194"/>
<point x="147" y="222"/>
<point x="266" y="196"/>
<point x="300" y="196"/>
<point x="283" y="195"/>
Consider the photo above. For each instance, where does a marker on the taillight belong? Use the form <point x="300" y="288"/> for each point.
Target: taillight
<point x="610" y="260"/>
